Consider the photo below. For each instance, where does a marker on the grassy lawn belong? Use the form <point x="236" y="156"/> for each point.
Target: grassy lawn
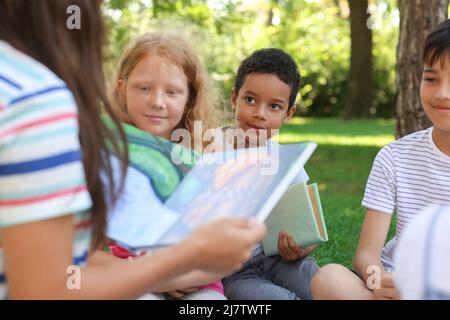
<point x="340" y="165"/>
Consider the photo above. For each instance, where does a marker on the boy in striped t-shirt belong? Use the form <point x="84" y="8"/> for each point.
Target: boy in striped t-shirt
<point x="407" y="176"/>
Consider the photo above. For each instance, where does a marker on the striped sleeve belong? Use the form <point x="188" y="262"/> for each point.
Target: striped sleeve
<point x="41" y="171"/>
<point x="380" y="193"/>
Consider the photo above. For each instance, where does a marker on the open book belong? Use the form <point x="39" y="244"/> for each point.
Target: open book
<point x="299" y="212"/>
<point x="243" y="183"/>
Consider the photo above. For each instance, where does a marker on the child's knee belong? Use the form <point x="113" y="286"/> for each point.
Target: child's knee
<point x="324" y="277"/>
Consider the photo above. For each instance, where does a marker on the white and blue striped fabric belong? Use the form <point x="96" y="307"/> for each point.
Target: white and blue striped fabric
<point x="407" y="176"/>
<point x="41" y="170"/>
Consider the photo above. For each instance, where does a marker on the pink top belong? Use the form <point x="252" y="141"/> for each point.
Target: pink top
<point x="216" y="286"/>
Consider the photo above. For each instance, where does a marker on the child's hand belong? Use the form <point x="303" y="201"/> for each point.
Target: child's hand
<point x="388" y="291"/>
<point x="289" y="250"/>
<point x="180" y="293"/>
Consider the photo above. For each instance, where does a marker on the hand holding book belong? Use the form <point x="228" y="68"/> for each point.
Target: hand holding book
<point x="299" y="212"/>
<point x="289" y="250"/>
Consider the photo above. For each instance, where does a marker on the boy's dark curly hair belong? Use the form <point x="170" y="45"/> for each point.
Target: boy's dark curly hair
<point x="273" y="61"/>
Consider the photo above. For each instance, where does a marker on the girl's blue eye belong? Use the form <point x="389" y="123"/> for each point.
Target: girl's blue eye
<point x="145" y="89"/>
<point x="275" y="106"/>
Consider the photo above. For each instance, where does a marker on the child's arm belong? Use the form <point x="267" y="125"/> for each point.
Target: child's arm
<point x="42" y="273"/>
<point x="371" y="242"/>
<point x="368" y="254"/>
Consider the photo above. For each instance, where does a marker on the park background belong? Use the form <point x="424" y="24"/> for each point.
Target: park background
<point x="360" y="63"/>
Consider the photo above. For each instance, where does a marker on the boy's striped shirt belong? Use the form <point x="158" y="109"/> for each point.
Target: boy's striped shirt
<point x="41" y="170"/>
<point x="407" y="176"/>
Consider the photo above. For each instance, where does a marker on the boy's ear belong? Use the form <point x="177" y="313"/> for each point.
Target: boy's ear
<point x="290" y="113"/>
<point x="233" y="97"/>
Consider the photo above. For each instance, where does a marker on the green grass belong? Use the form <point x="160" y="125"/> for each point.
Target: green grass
<point x="340" y="165"/>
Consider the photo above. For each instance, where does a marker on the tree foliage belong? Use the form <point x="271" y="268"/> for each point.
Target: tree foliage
<point x="315" y="32"/>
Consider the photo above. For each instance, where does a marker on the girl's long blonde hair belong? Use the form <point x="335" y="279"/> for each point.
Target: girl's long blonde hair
<point x="203" y="102"/>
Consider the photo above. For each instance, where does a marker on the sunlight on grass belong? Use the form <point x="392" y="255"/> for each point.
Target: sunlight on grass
<point x="345" y="140"/>
<point x="338" y="132"/>
<point x="300" y="120"/>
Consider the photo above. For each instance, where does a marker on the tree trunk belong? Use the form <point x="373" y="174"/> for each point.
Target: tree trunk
<point x="417" y="19"/>
<point x="359" y="84"/>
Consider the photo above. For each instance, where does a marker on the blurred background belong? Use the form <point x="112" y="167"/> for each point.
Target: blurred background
<point x="360" y="62"/>
<point x="315" y="33"/>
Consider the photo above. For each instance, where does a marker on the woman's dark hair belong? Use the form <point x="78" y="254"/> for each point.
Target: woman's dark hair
<point x="437" y="43"/>
<point x="39" y="29"/>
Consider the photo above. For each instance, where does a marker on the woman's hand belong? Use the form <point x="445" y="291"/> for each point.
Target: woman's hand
<point x="223" y="245"/>
<point x="289" y="250"/>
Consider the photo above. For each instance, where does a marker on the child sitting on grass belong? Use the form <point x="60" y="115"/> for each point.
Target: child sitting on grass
<point x="160" y="86"/>
<point x="407" y="176"/>
<point x="263" y="98"/>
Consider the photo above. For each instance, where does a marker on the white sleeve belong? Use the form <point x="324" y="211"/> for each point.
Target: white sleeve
<point x="139" y="217"/>
<point x="381" y="190"/>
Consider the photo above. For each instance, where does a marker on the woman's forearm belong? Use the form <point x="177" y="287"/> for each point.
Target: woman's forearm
<point x="48" y="273"/>
<point x="100" y="257"/>
<point x="122" y="278"/>
<point x="193" y="278"/>
<point x="142" y="275"/>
